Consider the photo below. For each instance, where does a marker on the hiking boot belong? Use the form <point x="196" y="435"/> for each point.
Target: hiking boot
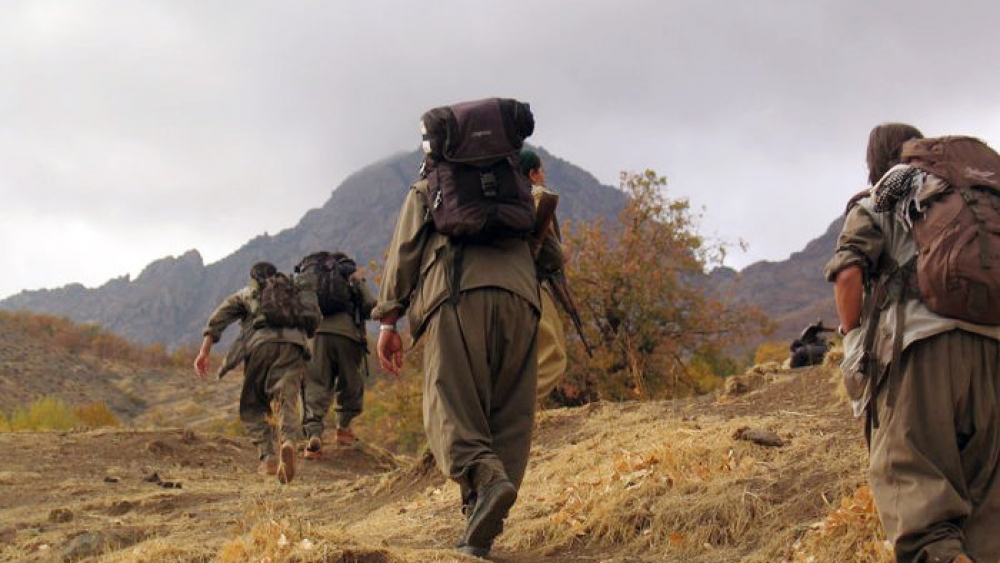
<point x="486" y="521"/>
<point x="313" y="449"/>
<point x="286" y="462"/>
<point x="268" y="466"/>
<point x="480" y="552"/>
<point x="345" y="436"/>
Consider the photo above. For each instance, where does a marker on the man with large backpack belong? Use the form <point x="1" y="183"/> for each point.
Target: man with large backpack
<point x="916" y="277"/>
<point x="339" y="350"/>
<point x="460" y="267"/>
<point x="277" y="316"/>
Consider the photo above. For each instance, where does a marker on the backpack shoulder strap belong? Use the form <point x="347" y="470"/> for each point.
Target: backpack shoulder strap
<point x="856" y="198"/>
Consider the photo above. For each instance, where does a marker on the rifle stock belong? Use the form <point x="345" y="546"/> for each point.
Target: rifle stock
<point x="236" y="354"/>
<point x="545" y="212"/>
<point x="562" y="294"/>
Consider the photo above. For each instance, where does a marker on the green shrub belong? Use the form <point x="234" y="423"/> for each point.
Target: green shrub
<point x="47" y="413"/>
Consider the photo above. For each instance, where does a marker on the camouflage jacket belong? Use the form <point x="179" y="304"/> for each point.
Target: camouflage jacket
<point x="242" y="307"/>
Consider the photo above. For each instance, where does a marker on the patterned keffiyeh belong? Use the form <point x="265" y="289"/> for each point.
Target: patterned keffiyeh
<point x="897" y="193"/>
<point x="897" y="184"/>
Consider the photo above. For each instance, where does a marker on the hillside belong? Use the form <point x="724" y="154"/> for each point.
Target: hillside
<point x="172" y="297"/>
<point x="628" y="482"/>
<point x="792" y="292"/>
<point x="43" y="356"/>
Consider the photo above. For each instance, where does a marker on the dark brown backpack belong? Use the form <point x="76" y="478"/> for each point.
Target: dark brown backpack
<point x="284" y="302"/>
<point x="475" y="188"/>
<point x="958" y="234"/>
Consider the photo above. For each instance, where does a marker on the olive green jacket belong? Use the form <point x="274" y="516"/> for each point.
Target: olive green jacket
<point x="345" y="324"/>
<point x="242" y="306"/>
<point x="418" y="269"/>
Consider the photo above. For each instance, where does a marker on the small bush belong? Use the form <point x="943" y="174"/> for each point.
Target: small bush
<point x="47" y="413"/>
<point x="96" y="415"/>
<point x="4" y="422"/>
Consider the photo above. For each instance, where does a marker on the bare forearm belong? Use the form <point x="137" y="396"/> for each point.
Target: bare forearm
<point x="848" y="291"/>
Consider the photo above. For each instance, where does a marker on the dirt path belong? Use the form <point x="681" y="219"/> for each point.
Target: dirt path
<point x="130" y="496"/>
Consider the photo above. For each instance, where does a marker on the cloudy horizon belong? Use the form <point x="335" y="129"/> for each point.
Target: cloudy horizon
<point x="133" y="131"/>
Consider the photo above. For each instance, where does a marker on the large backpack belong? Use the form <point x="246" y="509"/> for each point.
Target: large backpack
<point x="286" y="303"/>
<point x="475" y="188"/>
<point x="330" y="274"/>
<point x="958" y="234"/>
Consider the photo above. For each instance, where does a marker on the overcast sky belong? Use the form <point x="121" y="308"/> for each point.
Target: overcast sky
<point x="131" y="131"/>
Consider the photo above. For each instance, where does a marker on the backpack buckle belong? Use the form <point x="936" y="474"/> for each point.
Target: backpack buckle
<point x="489" y="183"/>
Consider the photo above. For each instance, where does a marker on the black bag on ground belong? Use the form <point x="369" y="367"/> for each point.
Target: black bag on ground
<point x="330" y="273"/>
<point x="475" y="190"/>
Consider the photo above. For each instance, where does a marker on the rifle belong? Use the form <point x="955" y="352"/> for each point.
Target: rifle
<point x="236" y="354"/>
<point x="562" y="294"/>
<point x="545" y="213"/>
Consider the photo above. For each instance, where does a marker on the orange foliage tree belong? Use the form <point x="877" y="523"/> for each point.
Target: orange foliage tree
<point x="642" y="290"/>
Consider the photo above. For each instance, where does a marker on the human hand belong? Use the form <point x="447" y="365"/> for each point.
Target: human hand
<point x="390" y="351"/>
<point x="201" y="365"/>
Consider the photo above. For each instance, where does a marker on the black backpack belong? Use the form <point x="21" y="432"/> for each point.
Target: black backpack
<point x="330" y="274"/>
<point x="475" y="188"/>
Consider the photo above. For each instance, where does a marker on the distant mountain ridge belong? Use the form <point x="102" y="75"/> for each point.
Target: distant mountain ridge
<point x="793" y="292"/>
<point x="171" y="299"/>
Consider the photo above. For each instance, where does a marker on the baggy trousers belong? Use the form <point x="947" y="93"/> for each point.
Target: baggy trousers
<point x="551" y="346"/>
<point x="479" y="385"/>
<point x="935" y="457"/>
<point x="273" y="375"/>
<point x="335" y="370"/>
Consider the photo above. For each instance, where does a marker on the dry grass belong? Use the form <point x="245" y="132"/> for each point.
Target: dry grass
<point x="624" y="482"/>
<point x="851" y="532"/>
<point x="673" y="486"/>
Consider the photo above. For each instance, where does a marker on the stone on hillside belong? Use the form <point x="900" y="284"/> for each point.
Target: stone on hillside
<point x="758" y="436"/>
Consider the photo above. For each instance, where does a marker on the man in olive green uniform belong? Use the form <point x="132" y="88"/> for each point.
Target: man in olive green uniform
<point x="339" y="351"/>
<point x="934" y="418"/>
<point x="549" y="261"/>
<point x="479" y="357"/>
<point x="274" y="368"/>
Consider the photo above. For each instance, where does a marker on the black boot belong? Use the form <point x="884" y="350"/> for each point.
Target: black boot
<point x="486" y="522"/>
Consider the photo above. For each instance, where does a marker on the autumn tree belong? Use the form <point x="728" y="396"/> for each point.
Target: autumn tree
<point x="642" y="289"/>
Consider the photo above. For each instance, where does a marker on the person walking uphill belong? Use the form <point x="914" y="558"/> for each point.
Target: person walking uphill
<point x="923" y="364"/>
<point x="469" y="289"/>
<point x="339" y="348"/>
<point x="549" y="262"/>
<point x="276" y="319"/>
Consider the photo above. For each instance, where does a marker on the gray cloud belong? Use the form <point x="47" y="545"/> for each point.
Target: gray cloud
<point x="130" y="131"/>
